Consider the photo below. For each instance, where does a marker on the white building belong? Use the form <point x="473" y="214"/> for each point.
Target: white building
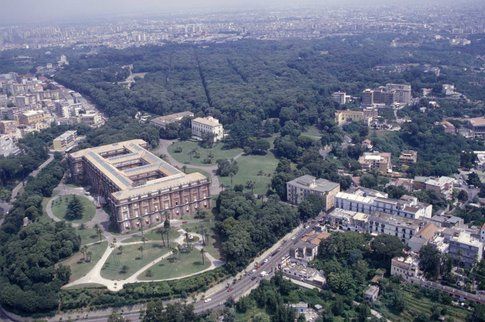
<point x="407" y="206"/>
<point x="341" y="98"/>
<point x="403" y="228"/>
<point x="405" y="267"/>
<point x="203" y="126"/>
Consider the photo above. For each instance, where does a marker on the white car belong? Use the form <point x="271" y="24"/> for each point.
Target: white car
<point x="207" y="300"/>
<point x="265" y="260"/>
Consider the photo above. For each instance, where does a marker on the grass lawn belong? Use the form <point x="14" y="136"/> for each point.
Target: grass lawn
<point x="211" y="242"/>
<point x="153" y="235"/>
<point x="186" y="156"/>
<point x="313" y="132"/>
<point x="186" y="263"/>
<point x="131" y="257"/>
<point x="88" y="235"/>
<point x="258" y="168"/>
<point x="59" y="207"/>
<point x="79" y="268"/>
<point x="417" y="304"/>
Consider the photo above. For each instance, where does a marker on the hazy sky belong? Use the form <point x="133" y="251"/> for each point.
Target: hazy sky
<point x="13" y="11"/>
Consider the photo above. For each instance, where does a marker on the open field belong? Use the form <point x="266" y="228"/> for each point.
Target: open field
<point x="59" y="207"/>
<point x="78" y="266"/>
<point x="185" y="264"/>
<point x="256" y="168"/>
<point x="192" y="153"/>
<point x="130" y="258"/>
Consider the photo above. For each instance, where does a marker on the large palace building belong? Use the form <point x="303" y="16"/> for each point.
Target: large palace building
<point x="138" y="186"/>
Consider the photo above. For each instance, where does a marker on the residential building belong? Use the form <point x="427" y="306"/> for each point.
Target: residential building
<point x="32" y="117"/>
<point x="347" y="220"/>
<point x="91" y="118"/>
<point x="8" y="146"/>
<point x="406" y="207"/>
<point x="376" y="161"/>
<point x="371" y="293"/>
<point x="406" y="268"/>
<point x="341" y="98"/>
<point x="306" y="248"/>
<point x="368" y="97"/>
<point x="301" y="272"/>
<point x="448" y="127"/>
<point x="465" y="250"/>
<point x="481" y="160"/>
<point x="139" y="188"/>
<point x="207" y="126"/>
<point x="300" y="188"/>
<point x="446" y="221"/>
<point x="442" y="185"/>
<point x="477" y="127"/>
<point x="163" y="121"/>
<point x="65" y="141"/>
<point x="8" y="127"/>
<point x="402" y="93"/>
<point x="408" y="157"/>
<point x="403" y="228"/>
<point x="482" y="234"/>
<point x="423" y="237"/>
<point x="362" y="116"/>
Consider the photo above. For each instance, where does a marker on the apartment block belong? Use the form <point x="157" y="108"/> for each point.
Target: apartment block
<point x="406" y="207"/>
<point x="387" y="95"/>
<point x="376" y="161"/>
<point x="32" y="117"/>
<point x="65" y="141"/>
<point x="8" y="127"/>
<point x="465" y="250"/>
<point x="403" y="228"/>
<point x="139" y="188"/>
<point x="203" y="126"/>
<point x="300" y="188"/>
<point x="341" y="98"/>
<point x="477" y="127"/>
<point x="441" y="185"/>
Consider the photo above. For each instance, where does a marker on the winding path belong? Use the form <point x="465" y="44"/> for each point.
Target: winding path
<point x="94" y="275"/>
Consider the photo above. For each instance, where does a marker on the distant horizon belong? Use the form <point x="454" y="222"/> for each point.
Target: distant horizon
<point x="57" y="11"/>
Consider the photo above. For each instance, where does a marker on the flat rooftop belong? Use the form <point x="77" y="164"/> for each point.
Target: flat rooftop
<point x="310" y="182"/>
<point x="134" y="170"/>
<point x="165" y="119"/>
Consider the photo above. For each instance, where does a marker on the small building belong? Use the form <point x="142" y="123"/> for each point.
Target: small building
<point x="306" y="248"/>
<point x="65" y="141"/>
<point x="406" y="268"/>
<point x="163" y="121"/>
<point x="376" y="161"/>
<point x="482" y="233"/>
<point x="299" y="271"/>
<point x="448" y="127"/>
<point x="408" y="157"/>
<point x="465" y="250"/>
<point x="304" y="309"/>
<point x="371" y="293"/>
<point x="477" y="127"/>
<point x="91" y="118"/>
<point x="207" y="126"/>
<point x="298" y="189"/>
<point x="341" y="98"/>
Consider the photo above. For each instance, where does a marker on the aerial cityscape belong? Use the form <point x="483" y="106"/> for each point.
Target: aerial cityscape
<point x="242" y="161"/>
